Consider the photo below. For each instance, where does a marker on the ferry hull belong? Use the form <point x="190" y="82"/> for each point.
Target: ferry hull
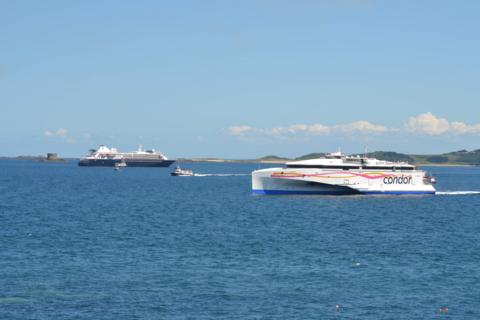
<point x="130" y="163"/>
<point x="276" y="181"/>
<point x="338" y="193"/>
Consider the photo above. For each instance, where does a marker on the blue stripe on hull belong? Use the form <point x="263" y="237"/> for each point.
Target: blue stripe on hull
<point x="333" y="192"/>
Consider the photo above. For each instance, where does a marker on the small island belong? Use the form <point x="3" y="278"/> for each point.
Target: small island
<point x="50" y="157"/>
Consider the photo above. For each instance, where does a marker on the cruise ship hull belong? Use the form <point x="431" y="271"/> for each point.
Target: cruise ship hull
<point x="129" y="162"/>
<point x="338" y="182"/>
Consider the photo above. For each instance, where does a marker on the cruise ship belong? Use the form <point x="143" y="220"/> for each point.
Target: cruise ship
<point x="338" y="174"/>
<point x="109" y="157"/>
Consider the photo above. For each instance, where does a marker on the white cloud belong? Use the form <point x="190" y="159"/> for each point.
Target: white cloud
<point x="273" y="131"/>
<point x="297" y="127"/>
<point x="318" y="129"/>
<point x="62" y="133"/>
<point x="427" y="123"/>
<point x="462" y="128"/>
<point x="313" y="129"/>
<point x="239" y="130"/>
<point x="361" y="127"/>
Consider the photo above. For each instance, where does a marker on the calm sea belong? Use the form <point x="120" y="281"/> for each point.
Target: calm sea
<point x="93" y="243"/>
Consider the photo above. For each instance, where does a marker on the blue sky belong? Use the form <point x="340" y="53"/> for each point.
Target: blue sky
<point x="239" y="79"/>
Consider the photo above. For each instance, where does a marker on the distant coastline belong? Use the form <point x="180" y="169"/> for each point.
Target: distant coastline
<point x="457" y="158"/>
<point x="38" y="158"/>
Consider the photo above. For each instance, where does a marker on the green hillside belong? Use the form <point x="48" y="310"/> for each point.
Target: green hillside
<point x="311" y="156"/>
<point x="273" y="158"/>
<point x="461" y="157"/>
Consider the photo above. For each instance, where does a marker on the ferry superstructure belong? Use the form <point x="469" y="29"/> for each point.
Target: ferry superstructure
<point x="108" y="157"/>
<point x="338" y="174"/>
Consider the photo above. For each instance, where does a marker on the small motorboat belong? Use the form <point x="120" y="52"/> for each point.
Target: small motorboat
<point x="179" y="172"/>
<point x="118" y="165"/>
<point x="429" y="179"/>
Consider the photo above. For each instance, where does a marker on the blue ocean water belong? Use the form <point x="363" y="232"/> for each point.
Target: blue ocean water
<point x="93" y="243"/>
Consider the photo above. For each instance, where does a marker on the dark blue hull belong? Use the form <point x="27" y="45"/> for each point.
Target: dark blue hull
<point x="130" y="163"/>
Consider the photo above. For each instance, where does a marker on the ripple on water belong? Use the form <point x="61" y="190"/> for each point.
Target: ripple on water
<point x="90" y="243"/>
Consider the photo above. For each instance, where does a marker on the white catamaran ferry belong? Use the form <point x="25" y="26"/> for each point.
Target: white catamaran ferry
<point x="337" y="174"/>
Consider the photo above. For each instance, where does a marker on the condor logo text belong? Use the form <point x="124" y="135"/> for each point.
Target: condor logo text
<point x="398" y="180"/>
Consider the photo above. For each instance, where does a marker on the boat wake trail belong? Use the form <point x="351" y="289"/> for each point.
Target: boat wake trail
<point x="220" y="174"/>
<point x="457" y="193"/>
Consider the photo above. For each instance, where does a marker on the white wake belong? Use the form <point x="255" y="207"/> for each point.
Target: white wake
<point x="220" y="174"/>
<point x="456" y="193"/>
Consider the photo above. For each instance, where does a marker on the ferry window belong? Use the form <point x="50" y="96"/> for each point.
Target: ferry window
<point x="387" y="168"/>
<point x="300" y="166"/>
